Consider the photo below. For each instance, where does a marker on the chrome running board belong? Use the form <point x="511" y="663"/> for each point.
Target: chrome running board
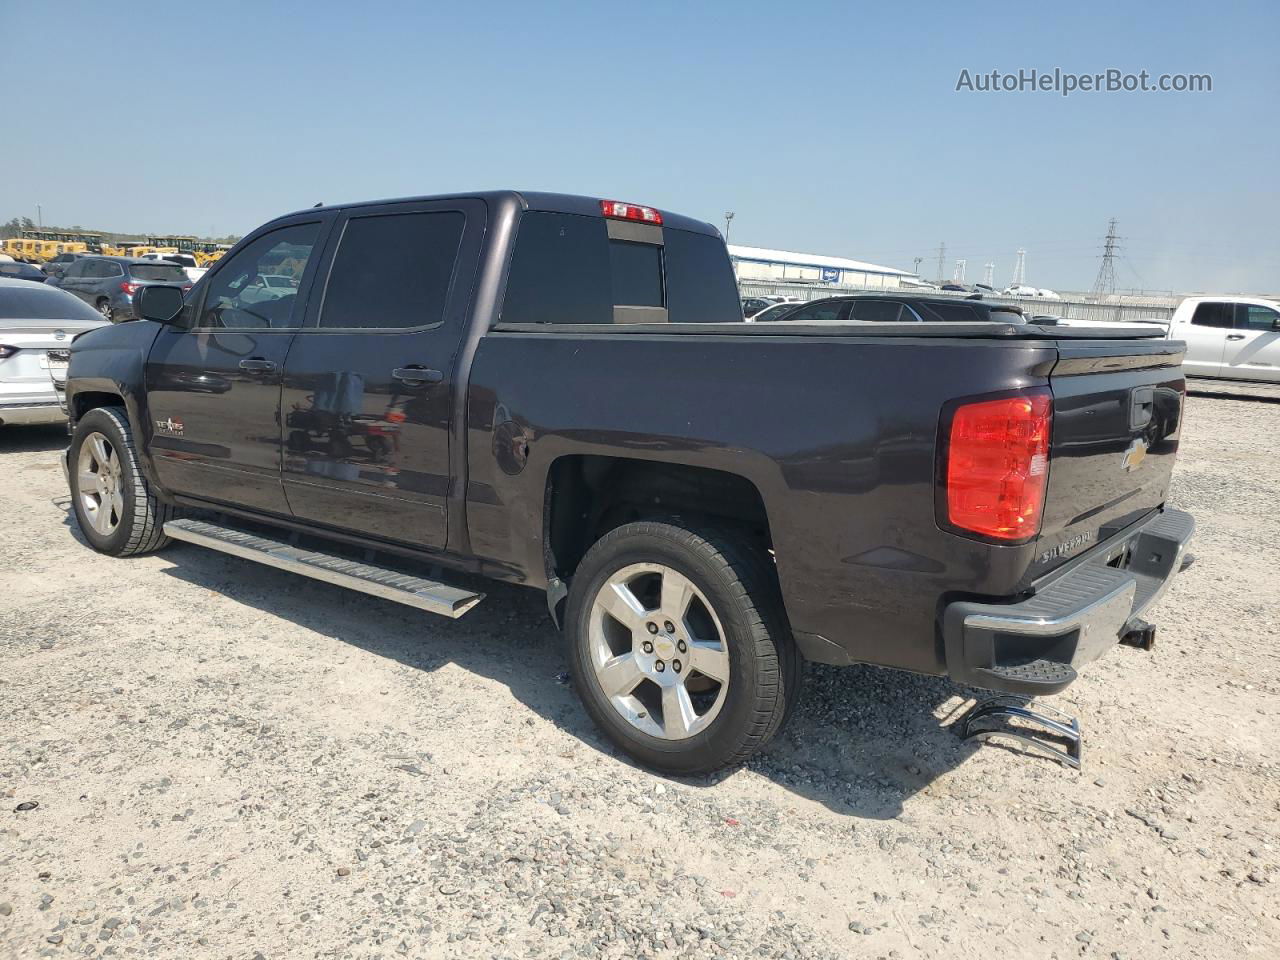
<point x="429" y="595"/>
<point x="1057" y="736"/>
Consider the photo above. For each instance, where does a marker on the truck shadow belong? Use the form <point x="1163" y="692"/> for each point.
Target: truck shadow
<point x="861" y="742"/>
<point x="33" y="439"/>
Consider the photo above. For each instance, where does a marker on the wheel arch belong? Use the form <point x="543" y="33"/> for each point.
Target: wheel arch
<point x="588" y="495"/>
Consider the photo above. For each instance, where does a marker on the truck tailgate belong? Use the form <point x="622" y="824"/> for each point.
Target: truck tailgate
<point x="1117" y="409"/>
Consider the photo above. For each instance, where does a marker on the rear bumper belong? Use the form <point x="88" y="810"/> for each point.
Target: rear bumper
<point x="1035" y="647"/>
<point x="31" y="411"/>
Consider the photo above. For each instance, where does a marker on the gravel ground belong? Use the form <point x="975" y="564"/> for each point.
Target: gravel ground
<point x="232" y="762"/>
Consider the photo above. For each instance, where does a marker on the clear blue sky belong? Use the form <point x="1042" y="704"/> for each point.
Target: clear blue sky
<point x="827" y="127"/>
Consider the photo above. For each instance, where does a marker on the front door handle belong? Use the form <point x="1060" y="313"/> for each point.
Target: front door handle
<point x="258" y="365"/>
<point x="1235" y="336"/>
<point x="417" y="376"/>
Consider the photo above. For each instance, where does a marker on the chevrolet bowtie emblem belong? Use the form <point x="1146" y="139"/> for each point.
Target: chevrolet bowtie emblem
<point x="1134" y="456"/>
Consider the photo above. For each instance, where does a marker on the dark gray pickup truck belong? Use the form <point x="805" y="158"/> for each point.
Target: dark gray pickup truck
<point x="560" y="392"/>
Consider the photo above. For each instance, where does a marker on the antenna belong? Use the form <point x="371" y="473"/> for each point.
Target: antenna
<point x="1019" y="269"/>
<point x="942" y="255"/>
<point x="989" y="274"/>
<point x="1106" y="282"/>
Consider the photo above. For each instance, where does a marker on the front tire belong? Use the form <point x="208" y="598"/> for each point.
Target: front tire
<point x="679" y="646"/>
<point x="104" y="308"/>
<point x="115" y="508"/>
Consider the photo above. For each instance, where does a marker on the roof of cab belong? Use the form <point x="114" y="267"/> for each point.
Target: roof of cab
<point x="532" y="200"/>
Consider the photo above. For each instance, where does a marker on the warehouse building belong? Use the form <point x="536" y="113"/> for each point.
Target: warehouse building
<point x="785" y="266"/>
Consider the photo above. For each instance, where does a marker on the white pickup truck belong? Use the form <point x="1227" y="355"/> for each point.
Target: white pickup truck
<point x="1230" y="338"/>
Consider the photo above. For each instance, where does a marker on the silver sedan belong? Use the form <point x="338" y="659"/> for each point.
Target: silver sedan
<point x="37" y="325"/>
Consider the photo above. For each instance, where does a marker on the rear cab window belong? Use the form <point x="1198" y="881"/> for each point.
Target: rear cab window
<point x="576" y="269"/>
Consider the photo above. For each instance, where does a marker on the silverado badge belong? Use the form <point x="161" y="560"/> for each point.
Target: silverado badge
<point x="169" y="427"/>
<point x="1134" y="456"/>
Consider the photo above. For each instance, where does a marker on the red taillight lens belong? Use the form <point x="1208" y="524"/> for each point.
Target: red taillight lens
<point x="997" y="465"/>
<point x="630" y="211"/>
<point x="130" y="288"/>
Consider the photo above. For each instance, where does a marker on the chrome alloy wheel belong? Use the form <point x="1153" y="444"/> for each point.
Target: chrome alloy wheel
<point x="659" y="651"/>
<point x="98" y="484"/>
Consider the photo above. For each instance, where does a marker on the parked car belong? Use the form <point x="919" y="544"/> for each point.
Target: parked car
<point x="775" y="311"/>
<point x="17" y="270"/>
<point x="898" y="308"/>
<point x="59" y="264"/>
<point x="555" y="391"/>
<point x="190" y="267"/>
<point x="108" y="284"/>
<point x="1231" y="338"/>
<point x="37" y="325"/>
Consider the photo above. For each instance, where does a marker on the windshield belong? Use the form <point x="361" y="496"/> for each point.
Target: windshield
<point x="34" y="302"/>
<point x="162" y="272"/>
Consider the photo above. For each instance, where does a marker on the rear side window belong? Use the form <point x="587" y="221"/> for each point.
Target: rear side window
<point x="158" y="272"/>
<point x="822" y="310"/>
<point x="951" y="312"/>
<point x="1213" y="315"/>
<point x="877" y="311"/>
<point x="393" y="271"/>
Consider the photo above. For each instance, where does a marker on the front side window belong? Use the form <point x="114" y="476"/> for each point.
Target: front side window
<point x="239" y="295"/>
<point x="392" y="271"/>
<point x="1213" y="315"/>
<point x="1258" y="318"/>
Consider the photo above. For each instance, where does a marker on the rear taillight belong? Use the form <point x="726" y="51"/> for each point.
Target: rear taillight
<point x="7" y="351"/>
<point x="130" y="288"/>
<point x="997" y="465"/>
<point x="616" y="210"/>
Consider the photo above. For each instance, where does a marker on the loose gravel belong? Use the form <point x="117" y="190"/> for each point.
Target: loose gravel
<point x="227" y="761"/>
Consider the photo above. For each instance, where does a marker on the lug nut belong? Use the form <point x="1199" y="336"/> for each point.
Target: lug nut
<point x="670" y="628"/>
<point x="647" y="647"/>
<point x="653" y="628"/>
<point x="682" y="646"/>
<point x="675" y="665"/>
<point x="660" y="666"/>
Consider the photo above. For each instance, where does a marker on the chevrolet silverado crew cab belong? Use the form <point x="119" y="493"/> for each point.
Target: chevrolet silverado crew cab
<point x="561" y="392"/>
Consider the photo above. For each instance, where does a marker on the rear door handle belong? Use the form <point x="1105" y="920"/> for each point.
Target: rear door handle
<point x="1235" y="336"/>
<point x="258" y="365"/>
<point x="416" y="376"/>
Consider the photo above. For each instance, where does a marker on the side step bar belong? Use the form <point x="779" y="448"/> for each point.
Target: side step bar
<point x="429" y="595"/>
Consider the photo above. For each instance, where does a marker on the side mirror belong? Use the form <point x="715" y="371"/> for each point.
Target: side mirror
<point x="159" y="303"/>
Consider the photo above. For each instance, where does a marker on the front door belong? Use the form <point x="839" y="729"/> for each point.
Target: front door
<point x="213" y="382"/>
<point x="1253" y="347"/>
<point x="368" y="385"/>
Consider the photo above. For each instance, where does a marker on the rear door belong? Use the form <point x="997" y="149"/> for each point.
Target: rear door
<point x="1253" y="345"/>
<point x="1206" y="337"/>
<point x="213" y="384"/>
<point x="1117" y="412"/>
<point x="369" y="384"/>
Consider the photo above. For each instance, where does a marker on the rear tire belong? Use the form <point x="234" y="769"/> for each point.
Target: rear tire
<point x="679" y="646"/>
<point x="114" y="506"/>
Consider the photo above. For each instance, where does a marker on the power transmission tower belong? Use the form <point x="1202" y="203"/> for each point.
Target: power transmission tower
<point x="958" y="275"/>
<point x="1019" y="269"/>
<point x="1106" y="282"/>
<point x="942" y="256"/>
<point x="989" y="274"/>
